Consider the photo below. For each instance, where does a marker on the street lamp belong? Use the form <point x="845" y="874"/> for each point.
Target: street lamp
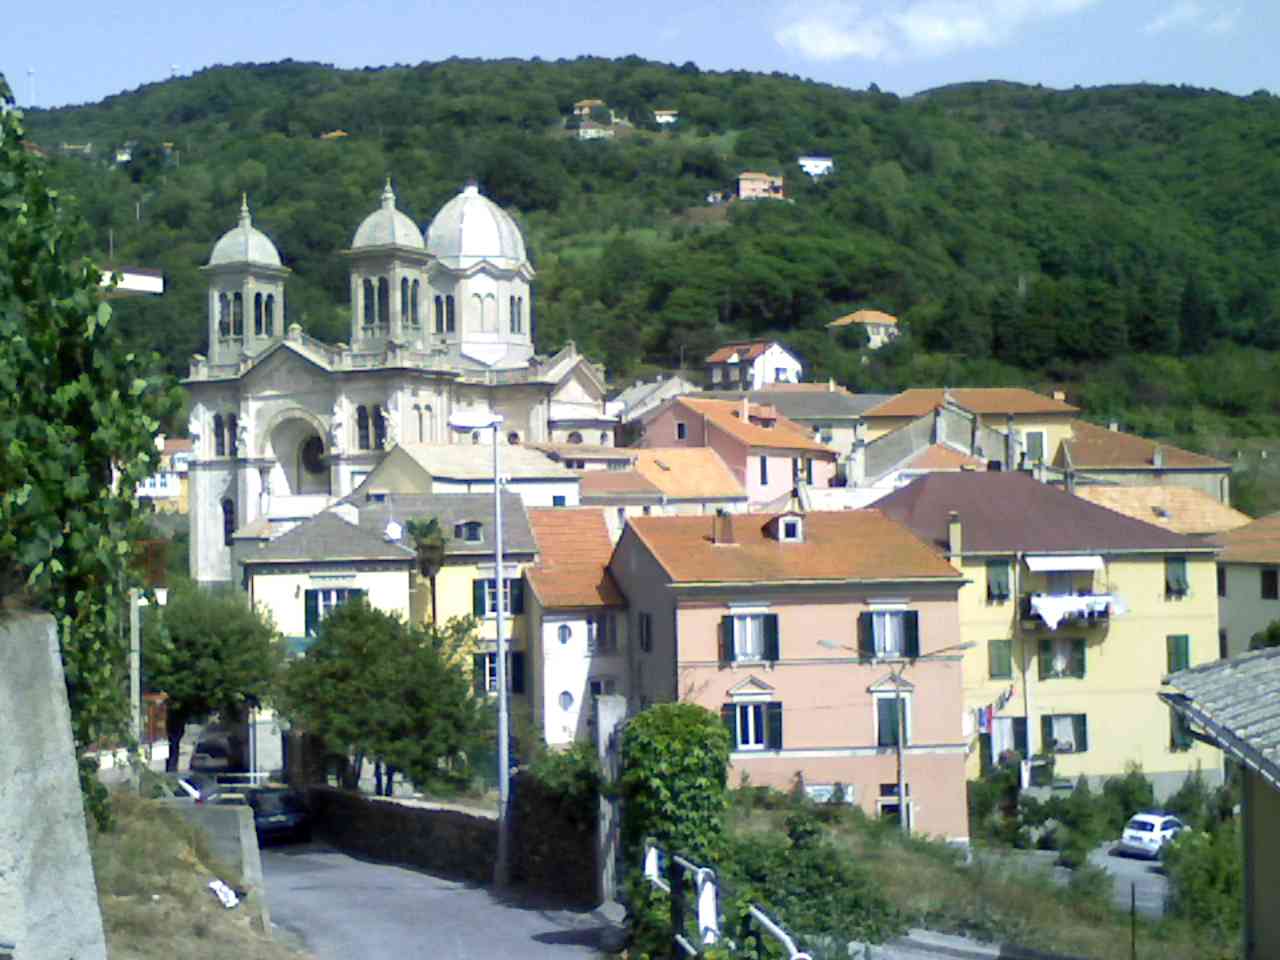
<point x="469" y="421"/>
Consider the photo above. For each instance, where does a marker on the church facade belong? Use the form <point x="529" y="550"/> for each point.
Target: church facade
<point x="283" y="424"/>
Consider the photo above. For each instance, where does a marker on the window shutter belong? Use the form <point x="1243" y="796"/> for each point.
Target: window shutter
<point x="356" y="595"/>
<point x="515" y="672"/>
<point x="312" y="607"/>
<point x="1179" y="733"/>
<point x="771" y="637"/>
<point x="1047" y="743"/>
<point x="1175" y="569"/>
<point x="773" y="726"/>
<point x="1020" y="736"/>
<point x="517" y="595"/>
<point x="1000" y="659"/>
<point x="1178" y="650"/>
<point x="1081" y="724"/>
<point x="1077" y="657"/>
<point x="997" y="580"/>
<point x="478" y="672"/>
<point x="477" y="598"/>
<point x="726" y="639"/>
<point x="911" y="634"/>
<point x="729" y="713"/>
<point x="1046" y="657"/>
<point x="866" y="637"/>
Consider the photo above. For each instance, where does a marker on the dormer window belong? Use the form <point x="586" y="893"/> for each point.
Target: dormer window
<point x="790" y="528"/>
<point x="469" y="531"/>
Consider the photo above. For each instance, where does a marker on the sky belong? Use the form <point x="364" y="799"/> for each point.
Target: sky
<point x="75" y="51"/>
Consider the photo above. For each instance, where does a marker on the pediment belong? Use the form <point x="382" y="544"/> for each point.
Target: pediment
<point x="752" y="686"/>
<point x="891" y="683"/>
<point x="283" y="370"/>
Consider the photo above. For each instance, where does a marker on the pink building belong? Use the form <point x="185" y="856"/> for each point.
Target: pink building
<point x="767" y="453"/>
<point x="807" y="633"/>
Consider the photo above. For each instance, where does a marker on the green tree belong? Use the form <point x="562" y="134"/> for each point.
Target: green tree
<point x="429" y="543"/>
<point x="74" y="408"/>
<point x="209" y="651"/>
<point x="1268" y="637"/>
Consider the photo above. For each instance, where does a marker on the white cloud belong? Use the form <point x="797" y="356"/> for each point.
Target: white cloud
<point x="920" y="29"/>
<point x="1192" y="13"/>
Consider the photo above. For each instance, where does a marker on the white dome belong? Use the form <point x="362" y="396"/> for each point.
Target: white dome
<point x="387" y="227"/>
<point x="244" y="243"/>
<point x="471" y="228"/>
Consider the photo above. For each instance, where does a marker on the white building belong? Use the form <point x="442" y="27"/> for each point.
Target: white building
<point x="816" y="166"/>
<point x="283" y="425"/>
<point x="751" y="365"/>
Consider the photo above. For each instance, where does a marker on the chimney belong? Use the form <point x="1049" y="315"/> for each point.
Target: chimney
<point x="831" y="384"/>
<point x="1157" y="457"/>
<point x="955" y="535"/>
<point x="1010" y="444"/>
<point x="1060" y="395"/>
<point x="857" y="469"/>
<point x="746" y="409"/>
<point x="722" y="528"/>
<point x="1114" y="426"/>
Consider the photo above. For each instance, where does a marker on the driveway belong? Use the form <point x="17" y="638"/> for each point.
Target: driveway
<point x="338" y="907"/>
<point x="1144" y="876"/>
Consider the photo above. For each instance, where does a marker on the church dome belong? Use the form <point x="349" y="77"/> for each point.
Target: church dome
<point x="387" y="227"/>
<point x="471" y="228"/>
<point x="244" y="243"/>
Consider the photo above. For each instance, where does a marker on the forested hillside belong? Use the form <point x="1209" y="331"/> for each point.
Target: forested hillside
<point x="1122" y="241"/>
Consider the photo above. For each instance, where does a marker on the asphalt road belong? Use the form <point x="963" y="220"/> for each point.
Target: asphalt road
<point x="338" y="907"/>
<point x="1152" y="886"/>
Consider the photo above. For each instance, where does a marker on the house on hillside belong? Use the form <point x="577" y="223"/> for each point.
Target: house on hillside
<point x="753" y="185"/>
<point x="590" y="130"/>
<point x="665" y="118"/>
<point x="881" y="327"/>
<point x="1074" y="613"/>
<point x="1248" y="582"/>
<point x="830" y="411"/>
<point x="752" y="365"/>
<point x="583" y="108"/>
<point x="816" y="166"/>
<point x="767" y="454"/>
<point x="1232" y="705"/>
<point x="812" y="635"/>
<point x="1092" y="453"/>
<point x="577" y="623"/>
<point x="665" y="481"/>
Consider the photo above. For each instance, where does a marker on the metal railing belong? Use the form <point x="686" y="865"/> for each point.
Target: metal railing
<point x="706" y="887"/>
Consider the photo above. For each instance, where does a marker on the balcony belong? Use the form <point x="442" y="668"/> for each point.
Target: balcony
<point x="1049" y="611"/>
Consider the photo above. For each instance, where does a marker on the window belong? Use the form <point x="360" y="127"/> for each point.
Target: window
<point x="1178" y="651"/>
<point x="484" y="672"/>
<point x="1270" y="584"/>
<point x="470" y="531"/>
<point x="233" y="435"/>
<point x="439" y="314"/>
<point x="257" y="314"/>
<point x="602" y="634"/>
<point x="754" y="726"/>
<point x="513" y="438"/>
<point x="644" y="623"/>
<point x="318" y="604"/>
<point x="750" y="637"/>
<point x="558" y="501"/>
<point x="1180" y="737"/>
<point x="379" y="428"/>
<point x="564" y="633"/>
<point x="792" y="532"/>
<point x="889" y="633"/>
<point x="404" y="301"/>
<point x="1008" y="733"/>
<point x="219" y="436"/>
<point x="1000" y="659"/>
<point x="415" y="310"/>
<point x="1222" y="581"/>
<point x="271" y="315"/>
<point x="1035" y="445"/>
<point x="484" y="596"/>
<point x="1061" y="657"/>
<point x="370" y="304"/>
<point x="362" y="427"/>
<point x="224" y="315"/>
<point x="1222" y="644"/>
<point x="889" y="708"/>
<point x="602" y="686"/>
<point x="998" y="589"/>
<point x="682" y="430"/>
<point x="764" y="470"/>
<point x="450" y="323"/>
<point x="237" y="315"/>
<point x="888" y="806"/>
<point x="384" y="305"/>
<point x="1175" y="576"/>
<point x="1064" y="733"/>
<point x="228" y="521"/>
<point x="574" y="437"/>
<point x="515" y="317"/>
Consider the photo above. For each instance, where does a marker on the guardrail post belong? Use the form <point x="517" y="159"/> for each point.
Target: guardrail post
<point x="651" y="871"/>
<point x="708" y="906"/>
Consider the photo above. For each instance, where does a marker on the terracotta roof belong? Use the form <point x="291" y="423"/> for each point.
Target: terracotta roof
<point x="941" y="457"/>
<point x="840" y="545"/>
<point x="1257" y="542"/>
<point x="757" y="175"/>
<point x="865" y="316"/>
<point x="784" y="434"/>
<point x="746" y="350"/>
<point x="1097" y="448"/>
<point x="687" y="473"/>
<point x="1006" y="512"/>
<point x="921" y="400"/>
<point x="1180" y="509"/>
<point x="574" y="548"/>
<point x="174" y="445"/>
<point x="612" y="483"/>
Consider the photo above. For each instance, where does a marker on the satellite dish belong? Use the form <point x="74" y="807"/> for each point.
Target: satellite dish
<point x="393" y="532"/>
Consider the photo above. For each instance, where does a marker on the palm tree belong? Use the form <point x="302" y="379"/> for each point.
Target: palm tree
<point x="429" y="542"/>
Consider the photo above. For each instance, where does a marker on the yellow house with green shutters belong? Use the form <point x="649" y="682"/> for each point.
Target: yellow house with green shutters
<point x="1071" y="616"/>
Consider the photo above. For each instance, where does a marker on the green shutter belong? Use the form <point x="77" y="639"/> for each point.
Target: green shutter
<point x="771" y="637"/>
<point x="773" y="726"/>
<point x="1178" y="652"/>
<point x="1046" y="657"/>
<point x="477" y="598"/>
<point x="1046" y="734"/>
<point x="1175" y="575"/>
<point x="356" y="595"/>
<point x="911" y="634"/>
<point x="515" y="672"/>
<point x="477" y="672"/>
<point x="312" y="607"/>
<point x="1081" y="723"/>
<point x="887" y="712"/>
<point x="866" y="637"/>
<point x="726" y="639"/>
<point x="517" y="595"/>
<point x="729" y="713"/>
<point x="998" y="580"/>
<point x="1000" y="659"/>
<point x="1179" y="733"/>
<point x="1077" y="657"/>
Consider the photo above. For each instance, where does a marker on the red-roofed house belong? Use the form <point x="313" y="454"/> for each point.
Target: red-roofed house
<point x="576" y="622"/>
<point x="807" y="633"/>
<point x="752" y="364"/>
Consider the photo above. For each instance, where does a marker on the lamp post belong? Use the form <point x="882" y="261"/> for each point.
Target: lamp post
<point x="469" y="421"/>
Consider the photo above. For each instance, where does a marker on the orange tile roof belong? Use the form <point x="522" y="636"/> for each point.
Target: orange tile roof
<point x="865" y="316"/>
<point x="838" y="545"/>
<point x="1094" y="447"/>
<point x="823" y="387"/>
<point x="1258" y="542"/>
<point x="687" y="473"/>
<point x="177" y="445"/>
<point x="612" y="483"/>
<point x="746" y="350"/>
<point x="1180" y="509"/>
<point x="574" y="548"/>
<point x="941" y="457"/>
<point x="922" y="400"/>
<point x="783" y="435"/>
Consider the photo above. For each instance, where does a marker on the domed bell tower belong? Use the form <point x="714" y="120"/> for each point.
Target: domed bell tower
<point x="388" y="295"/>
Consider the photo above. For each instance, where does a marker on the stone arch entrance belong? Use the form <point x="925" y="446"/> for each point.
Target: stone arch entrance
<point x="297" y="441"/>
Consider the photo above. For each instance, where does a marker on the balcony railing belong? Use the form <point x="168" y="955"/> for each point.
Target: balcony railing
<point x="1051" y="610"/>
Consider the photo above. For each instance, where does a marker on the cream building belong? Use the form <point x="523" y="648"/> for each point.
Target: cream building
<point x="283" y="425"/>
<point x="1248" y="582"/>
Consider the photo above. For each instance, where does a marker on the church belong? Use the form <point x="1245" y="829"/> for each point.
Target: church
<point x="442" y="322"/>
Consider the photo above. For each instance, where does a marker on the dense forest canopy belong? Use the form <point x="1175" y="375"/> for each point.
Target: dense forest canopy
<point x="1122" y="241"/>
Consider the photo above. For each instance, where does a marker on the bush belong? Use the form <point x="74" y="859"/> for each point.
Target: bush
<point x="1123" y="797"/>
<point x="1193" y="803"/>
<point x="1206" y="879"/>
<point x="574" y="776"/>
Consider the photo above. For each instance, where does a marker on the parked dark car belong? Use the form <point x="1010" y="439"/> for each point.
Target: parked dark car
<point x="280" y="815"/>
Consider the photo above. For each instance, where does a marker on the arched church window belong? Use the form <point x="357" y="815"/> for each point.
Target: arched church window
<point x="384" y="304"/>
<point x="233" y="435"/>
<point x="575" y="437"/>
<point x="415" y="317"/>
<point x="513" y="438"/>
<point x="257" y="314"/>
<point x="219" y="438"/>
<point x="379" y="428"/>
<point x="520" y="314"/>
<point x="228" y="521"/>
<point x="450" y="320"/>
<point x="439" y="314"/>
<point x="404" y="301"/>
<point x="362" y="427"/>
<point x="271" y="315"/>
<point x="224" y="315"/>
<point x="313" y="455"/>
<point x="370" y="304"/>
<point x="515" y="322"/>
<point x="237" y="315"/>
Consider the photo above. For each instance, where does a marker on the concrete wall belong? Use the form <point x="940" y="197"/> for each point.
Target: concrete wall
<point x="234" y="841"/>
<point x="553" y="848"/>
<point x="48" y="901"/>
<point x="282" y="590"/>
<point x="1243" y="612"/>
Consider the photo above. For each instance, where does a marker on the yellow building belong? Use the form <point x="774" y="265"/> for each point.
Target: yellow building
<point x="1072" y="615"/>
